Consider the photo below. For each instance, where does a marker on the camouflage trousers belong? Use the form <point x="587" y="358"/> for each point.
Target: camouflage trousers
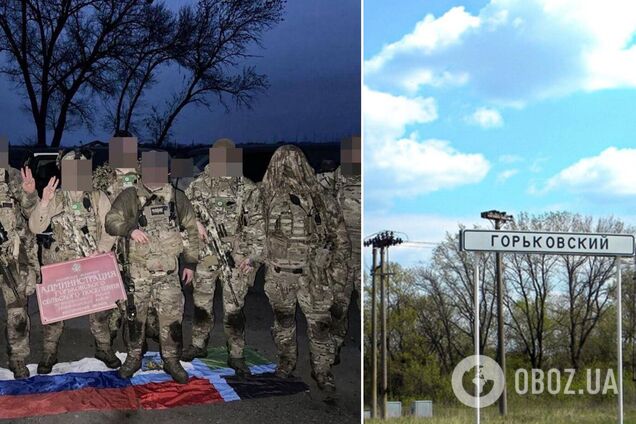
<point x="163" y="294"/>
<point x="356" y="274"/>
<point x="102" y="325"/>
<point x="311" y="291"/>
<point x="342" y="285"/>
<point x="18" y="322"/>
<point x="233" y="303"/>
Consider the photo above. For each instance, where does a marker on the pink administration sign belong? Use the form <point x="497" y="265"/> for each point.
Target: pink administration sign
<point x="79" y="287"/>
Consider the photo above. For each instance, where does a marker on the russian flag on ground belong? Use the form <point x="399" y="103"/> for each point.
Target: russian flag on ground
<point x="88" y="385"/>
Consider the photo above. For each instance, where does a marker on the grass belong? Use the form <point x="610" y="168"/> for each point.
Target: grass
<point x="528" y="411"/>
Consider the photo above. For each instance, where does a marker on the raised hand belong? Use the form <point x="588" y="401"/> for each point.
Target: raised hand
<point x="28" y="182"/>
<point x="49" y="191"/>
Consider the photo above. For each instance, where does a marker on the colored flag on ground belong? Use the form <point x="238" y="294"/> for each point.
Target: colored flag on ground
<point x="88" y="385"/>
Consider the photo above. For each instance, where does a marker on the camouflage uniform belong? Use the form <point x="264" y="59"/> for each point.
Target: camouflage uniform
<point x="65" y="212"/>
<point x="344" y="276"/>
<point x="301" y="241"/>
<point x="114" y="182"/>
<point x="20" y="249"/>
<point x="154" y="266"/>
<point x="224" y="200"/>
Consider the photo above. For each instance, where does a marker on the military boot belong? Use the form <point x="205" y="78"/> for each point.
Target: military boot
<point x="239" y="366"/>
<point x="46" y="364"/>
<point x="19" y="368"/>
<point x="130" y="366"/>
<point x="285" y="367"/>
<point x="173" y="367"/>
<point x="191" y="352"/>
<point x="325" y="381"/>
<point x="108" y="357"/>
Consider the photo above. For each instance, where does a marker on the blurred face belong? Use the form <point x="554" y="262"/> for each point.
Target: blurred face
<point x="226" y="162"/>
<point x="181" y="168"/>
<point x="4" y="152"/>
<point x="154" y="169"/>
<point x="77" y="175"/>
<point x="122" y="152"/>
<point x="350" y="156"/>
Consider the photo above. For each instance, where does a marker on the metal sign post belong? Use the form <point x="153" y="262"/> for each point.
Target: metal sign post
<point x="619" y="339"/>
<point x="554" y="243"/>
<point x="477" y="340"/>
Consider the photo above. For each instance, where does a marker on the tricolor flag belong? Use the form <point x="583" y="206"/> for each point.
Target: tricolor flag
<point x="88" y="385"/>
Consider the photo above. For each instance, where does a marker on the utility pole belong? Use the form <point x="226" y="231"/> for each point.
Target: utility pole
<point x="499" y="218"/>
<point x="382" y="241"/>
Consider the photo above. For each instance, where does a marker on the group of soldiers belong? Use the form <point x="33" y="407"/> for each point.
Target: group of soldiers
<point x="303" y="227"/>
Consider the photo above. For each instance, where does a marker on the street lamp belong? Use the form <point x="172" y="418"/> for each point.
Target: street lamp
<point x="499" y="218"/>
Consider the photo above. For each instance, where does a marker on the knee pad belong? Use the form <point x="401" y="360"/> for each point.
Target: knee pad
<point x="285" y="318"/>
<point x="337" y="311"/>
<point x="235" y="320"/>
<point x="200" y="315"/>
<point x="176" y="332"/>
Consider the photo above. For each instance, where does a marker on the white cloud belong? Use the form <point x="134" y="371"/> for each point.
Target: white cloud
<point x="429" y="35"/>
<point x="611" y="173"/>
<point x="504" y="176"/>
<point x="387" y="116"/>
<point x="402" y="164"/>
<point x="515" y="51"/>
<point x="434" y="161"/>
<point x="486" y="118"/>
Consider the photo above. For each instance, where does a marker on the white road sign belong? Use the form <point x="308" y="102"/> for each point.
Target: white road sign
<point x="547" y="243"/>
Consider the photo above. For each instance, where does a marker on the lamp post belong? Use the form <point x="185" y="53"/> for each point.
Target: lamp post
<point x="499" y="218"/>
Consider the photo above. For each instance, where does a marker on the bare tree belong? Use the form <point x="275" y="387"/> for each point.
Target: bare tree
<point x="61" y="52"/>
<point x="436" y="319"/>
<point x="219" y="34"/>
<point x="587" y="284"/>
<point x="455" y="270"/>
<point x="155" y="41"/>
<point x="530" y="281"/>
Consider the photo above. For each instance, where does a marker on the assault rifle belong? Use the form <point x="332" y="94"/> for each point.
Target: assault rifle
<point x="131" y="309"/>
<point x="5" y="269"/>
<point x="216" y="246"/>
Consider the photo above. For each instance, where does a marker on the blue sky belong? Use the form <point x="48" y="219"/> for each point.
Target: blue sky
<point x="513" y="105"/>
<point x="312" y="60"/>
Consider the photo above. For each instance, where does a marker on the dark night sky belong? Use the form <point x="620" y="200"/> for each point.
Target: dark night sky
<point x="312" y="60"/>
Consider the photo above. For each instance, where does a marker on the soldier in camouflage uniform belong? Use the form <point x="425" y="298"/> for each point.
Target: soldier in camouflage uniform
<point x="18" y="197"/>
<point x="149" y="218"/>
<point x="76" y="218"/>
<point x="220" y="196"/>
<point x="304" y="234"/>
<point x="344" y="185"/>
<point x="120" y="173"/>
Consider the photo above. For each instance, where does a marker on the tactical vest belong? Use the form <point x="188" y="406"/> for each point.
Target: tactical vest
<point x="293" y="232"/>
<point x="76" y="215"/>
<point x="160" y="255"/>
<point x="9" y="217"/>
<point x="348" y="189"/>
<point x="222" y="197"/>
